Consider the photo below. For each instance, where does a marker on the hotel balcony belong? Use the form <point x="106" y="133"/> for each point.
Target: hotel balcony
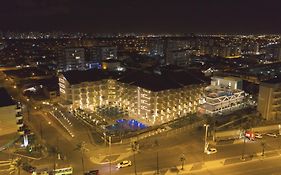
<point x="21" y="131"/>
<point x="19" y="115"/>
<point x="20" y="123"/>
<point x="18" y="108"/>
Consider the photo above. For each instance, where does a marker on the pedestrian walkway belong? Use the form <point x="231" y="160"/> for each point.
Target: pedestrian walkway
<point x="200" y="166"/>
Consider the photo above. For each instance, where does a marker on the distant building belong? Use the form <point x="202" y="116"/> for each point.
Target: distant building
<point x="225" y="94"/>
<point x="101" y="53"/>
<point x="221" y="51"/>
<point x="11" y="118"/>
<point x="178" y="52"/>
<point x="153" y="98"/>
<point x="112" y="65"/>
<point x="269" y="100"/>
<point x="72" y="59"/>
<point x="277" y="53"/>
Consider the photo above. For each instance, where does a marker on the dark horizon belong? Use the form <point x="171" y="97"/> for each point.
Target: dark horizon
<point x="201" y="16"/>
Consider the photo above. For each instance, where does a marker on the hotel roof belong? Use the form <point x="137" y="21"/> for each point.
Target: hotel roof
<point x="6" y="99"/>
<point x="77" y="77"/>
<point x="147" y="80"/>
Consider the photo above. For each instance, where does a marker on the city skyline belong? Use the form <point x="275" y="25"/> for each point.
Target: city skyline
<point x="141" y="16"/>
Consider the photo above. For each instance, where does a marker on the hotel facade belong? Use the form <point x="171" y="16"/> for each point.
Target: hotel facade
<point x="153" y="98"/>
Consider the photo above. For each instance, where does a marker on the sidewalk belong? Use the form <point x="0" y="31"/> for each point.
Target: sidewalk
<point x="200" y="166"/>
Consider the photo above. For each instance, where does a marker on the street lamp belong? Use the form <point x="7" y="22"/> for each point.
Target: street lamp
<point x="157" y="158"/>
<point x="206" y="133"/>
<point x="182" y="159"/>
<point x="134" y="149"/>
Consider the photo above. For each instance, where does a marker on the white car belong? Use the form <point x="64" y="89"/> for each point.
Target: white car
<point x="258" y="136"/>
<point x="272" y="135"/>
<point x="211" y="151"/>
<point x="124" y="163"/>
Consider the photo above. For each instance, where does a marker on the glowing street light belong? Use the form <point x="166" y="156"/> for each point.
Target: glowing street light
<point x="206" y="133"/>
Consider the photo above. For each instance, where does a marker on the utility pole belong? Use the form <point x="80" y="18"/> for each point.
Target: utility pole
<point x="157" y="158"/>
<point x="41" y="130"/>
<point x="206" y="134"/>
<point x="263" y="145"/>
<point x="182" y="159"/>
<point x="243" y="151"/>
<point x="134" y="148"/>
<point x="109" y="140"/>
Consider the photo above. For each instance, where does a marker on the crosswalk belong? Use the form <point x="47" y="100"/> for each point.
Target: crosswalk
<point x="8" y="166"/>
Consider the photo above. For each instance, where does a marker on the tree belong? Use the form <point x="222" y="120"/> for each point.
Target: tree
<point x="81" y="147"/>
<point x="135" y="147"/>
<point x="54" y="152"/>
<point x="245" y="126"/>
<point x="18" y="164"/>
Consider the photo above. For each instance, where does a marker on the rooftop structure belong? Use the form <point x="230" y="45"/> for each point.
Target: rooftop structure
<point x="223" y="95"/>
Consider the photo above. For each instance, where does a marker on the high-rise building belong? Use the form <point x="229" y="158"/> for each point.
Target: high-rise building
<point x="101" y="53"/>
<point x="269" y="100"/>
<point x="72" y="59"/>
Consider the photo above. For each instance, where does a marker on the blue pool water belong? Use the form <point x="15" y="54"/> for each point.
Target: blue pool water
<point x="126" y="125"/>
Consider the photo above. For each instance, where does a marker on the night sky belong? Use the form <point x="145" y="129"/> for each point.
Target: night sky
<point x="212" y="16"/>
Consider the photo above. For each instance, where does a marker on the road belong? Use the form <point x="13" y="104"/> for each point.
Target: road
<point x="170" y="147"/>
<point x="269" y="166"/>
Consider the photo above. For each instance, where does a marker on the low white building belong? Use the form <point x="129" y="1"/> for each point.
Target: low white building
<point x="223" y="95"/>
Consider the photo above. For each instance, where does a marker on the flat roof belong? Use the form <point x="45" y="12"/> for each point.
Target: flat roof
<point x="273" y="81"/>
<point x="78" y="76"/>
<point x="144" y="79"/>
<point x="6" y="99"/>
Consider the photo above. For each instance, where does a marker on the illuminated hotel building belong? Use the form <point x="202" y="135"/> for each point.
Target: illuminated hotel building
<point x="225" y="94"/>
<point x="150" y="97"/>
<point x="11" y="120"/>
<point x="269" y="99"/>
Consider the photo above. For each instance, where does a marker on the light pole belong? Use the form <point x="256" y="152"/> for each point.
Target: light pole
<point x="206" y="134"/>
<point x="41" y="130"/>
<point x="182" y="159"/>
<point x="157" y="159"/>
<point x="134" y="148"/>
<point x="109" y="142"/>
<point x="263" y="145"/>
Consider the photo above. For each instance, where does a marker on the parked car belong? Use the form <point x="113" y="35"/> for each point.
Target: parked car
<point x="29" y="168"/>
<point x="124" y="163"/>
<point x="211" y="151"/>
<point x="92" y="172"/>
<point x="272" y="135"/>
<point x="258" y="136"/>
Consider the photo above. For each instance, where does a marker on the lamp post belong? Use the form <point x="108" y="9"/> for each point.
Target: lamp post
<point x="134" y="149"/>
<point x="182" y="159"/>
<point x="109" y="142"/>
<point x="206" y="134"/>
<point x="157" y="159"/>
<point x="263" y="145"/>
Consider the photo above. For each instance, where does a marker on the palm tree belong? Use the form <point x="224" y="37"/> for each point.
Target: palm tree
<point x="81" y="147"/>
<point x="18" y="165"/>
<point x="54" y="152"/>
<point x="135" y="149"/>
<point x="245" y="126"/>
